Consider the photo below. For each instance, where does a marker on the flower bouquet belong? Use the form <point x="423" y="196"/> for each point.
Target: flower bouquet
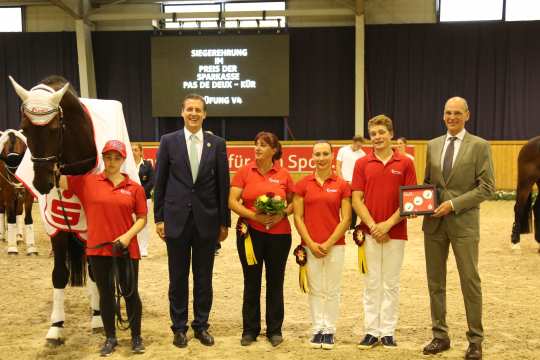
<point x="270" y="204"/>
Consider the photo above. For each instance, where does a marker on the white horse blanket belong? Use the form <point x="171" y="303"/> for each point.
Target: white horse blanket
<point x="109" y="124"/>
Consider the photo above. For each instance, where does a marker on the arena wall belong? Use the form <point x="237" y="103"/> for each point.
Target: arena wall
<point x="505" y="155"/>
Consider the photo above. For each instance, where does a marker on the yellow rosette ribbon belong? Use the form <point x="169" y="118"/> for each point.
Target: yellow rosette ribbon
<point x="359" y="240"/>
<point x="242" y="233"/>
<point x="301" y="259"/>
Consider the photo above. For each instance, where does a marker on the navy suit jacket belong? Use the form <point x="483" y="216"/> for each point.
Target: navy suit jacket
<point x="176" y="194"/>
<point x="146" y="175"/>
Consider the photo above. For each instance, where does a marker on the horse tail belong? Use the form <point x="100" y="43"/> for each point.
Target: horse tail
<point x="76" y="261"/>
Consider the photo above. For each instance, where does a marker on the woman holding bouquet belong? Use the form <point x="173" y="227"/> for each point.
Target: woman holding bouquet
<point x="322" y="214"/>
<point x="269" y="234"/>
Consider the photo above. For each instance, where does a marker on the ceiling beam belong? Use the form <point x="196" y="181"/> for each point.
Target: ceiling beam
<point x="214" y="14"/>
<point x="68" y="10"/>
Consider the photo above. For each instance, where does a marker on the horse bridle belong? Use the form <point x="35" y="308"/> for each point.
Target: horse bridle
<point x="55" y="159"/>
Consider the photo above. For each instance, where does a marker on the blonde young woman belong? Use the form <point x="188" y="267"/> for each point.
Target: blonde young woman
<point x="322" y="214"/>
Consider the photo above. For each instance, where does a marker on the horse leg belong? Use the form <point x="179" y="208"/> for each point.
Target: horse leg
<point x="18" y="208"/>
<point x="96" y="324"/>
<point x="60" y="277"/>
<point x="2" y="224"/>
<point x="521" y="211"/>
<point x="536" y="212"/>
<point x="31" y="248"/>
<point x="11" y="232"/>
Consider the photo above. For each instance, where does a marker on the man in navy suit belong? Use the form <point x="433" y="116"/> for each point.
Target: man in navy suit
<point x="191" y="212"/>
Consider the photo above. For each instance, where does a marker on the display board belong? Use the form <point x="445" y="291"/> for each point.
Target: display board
<point x="238" y="75"/>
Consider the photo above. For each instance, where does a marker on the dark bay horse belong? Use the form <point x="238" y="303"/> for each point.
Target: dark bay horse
<point x="60" y="138"/>
<point x="14" y="197"/>
<point x="528" y="175"/>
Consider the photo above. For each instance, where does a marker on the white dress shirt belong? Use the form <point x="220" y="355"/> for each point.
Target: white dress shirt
<point x="457" y="144"/>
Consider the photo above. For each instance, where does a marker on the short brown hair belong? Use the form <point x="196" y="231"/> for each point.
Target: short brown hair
<point x="194" y="97"/>
<point x="272" y="140"/>
<point x="358" y="138"/>
<point x="381" y="120"/>
<point x="138" y="145"/>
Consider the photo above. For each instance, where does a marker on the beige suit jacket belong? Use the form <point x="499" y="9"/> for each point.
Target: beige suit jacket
<point x="470" y="182"/>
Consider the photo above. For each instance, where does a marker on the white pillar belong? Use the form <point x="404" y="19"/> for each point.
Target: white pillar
<point x="85" y="56"/>
<point x="359" y="69"/>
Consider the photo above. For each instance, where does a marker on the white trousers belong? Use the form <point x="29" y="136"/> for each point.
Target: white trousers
<point x="324" y="280"/>
<point x="381" y="292"/>
<point x="143" y="237"/>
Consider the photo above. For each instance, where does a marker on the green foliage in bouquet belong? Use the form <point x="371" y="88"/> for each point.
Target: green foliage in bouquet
<point x="270" y="203"/>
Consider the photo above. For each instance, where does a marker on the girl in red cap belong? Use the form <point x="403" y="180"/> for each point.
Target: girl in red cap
<point x="109" y="200"/>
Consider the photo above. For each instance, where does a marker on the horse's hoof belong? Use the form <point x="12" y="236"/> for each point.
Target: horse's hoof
<point x="516" y="247"/>
<point x="32" y="253"/>
<point x="12" y="253"/>
<point x="55" y="342"/>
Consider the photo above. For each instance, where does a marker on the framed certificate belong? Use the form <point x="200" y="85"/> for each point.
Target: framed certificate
<point x="417" y="200"/>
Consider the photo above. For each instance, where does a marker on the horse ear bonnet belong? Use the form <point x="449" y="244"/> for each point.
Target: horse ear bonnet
<point x="39" y="107"/>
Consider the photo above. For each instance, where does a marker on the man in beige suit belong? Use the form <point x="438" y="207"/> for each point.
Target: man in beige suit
<point x="459" y="164"/>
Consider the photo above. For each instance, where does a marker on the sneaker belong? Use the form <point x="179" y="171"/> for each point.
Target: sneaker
<point x="108" y="347"/>
<point x="137" y="346"/>
<point x="316" y="340"/>
<point x="328" y="341"/>
<point x="368" y="342"/>
<point x="388" y="342"/>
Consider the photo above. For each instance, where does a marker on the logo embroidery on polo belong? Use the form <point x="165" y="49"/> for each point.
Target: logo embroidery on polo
<point x="331" y="190"/>
<point x="273" y="181"/>
<point x="395" y="172"/>
<point x="125" y="192"/>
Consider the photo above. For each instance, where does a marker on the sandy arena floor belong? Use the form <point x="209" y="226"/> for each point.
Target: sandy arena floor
<point x="511" y="289"/>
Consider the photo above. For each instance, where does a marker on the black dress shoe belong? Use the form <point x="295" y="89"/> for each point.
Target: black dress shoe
<point x="204" y="337"/>
<point x="180" y="339"/>
<point x="436" y="346"/>
<point x="474" y="352"/>
<point x="275" y="340"/>
<point x="247" y="339"/>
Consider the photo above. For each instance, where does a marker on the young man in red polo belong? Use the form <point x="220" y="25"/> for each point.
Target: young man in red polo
<point x="376" y="181"/>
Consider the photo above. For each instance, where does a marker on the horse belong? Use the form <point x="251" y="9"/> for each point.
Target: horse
<point x="528" y="175"/>
<point x="13" y="195"/>
<point x="60" y="138"/>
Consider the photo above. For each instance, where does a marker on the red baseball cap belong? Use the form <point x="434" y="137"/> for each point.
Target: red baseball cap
<point x="115" y="145"/>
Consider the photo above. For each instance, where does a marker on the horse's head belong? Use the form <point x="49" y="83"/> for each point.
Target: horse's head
<point x="13" y="147"/>
<point x="41" y="121"/>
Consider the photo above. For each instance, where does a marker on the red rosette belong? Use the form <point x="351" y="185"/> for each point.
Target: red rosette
<point x="358" y="236"/>
<point x="270" y="195"/>
<point x="241" y="228"/>
<point x="301" y="255"/>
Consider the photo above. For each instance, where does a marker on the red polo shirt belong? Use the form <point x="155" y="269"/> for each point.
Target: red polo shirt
<point x="254" y="184"/>
<point x="380" y="184"/>
<point x="322" y="205"/>
<point x="109" y="210"/>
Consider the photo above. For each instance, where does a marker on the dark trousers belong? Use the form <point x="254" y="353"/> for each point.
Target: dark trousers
<point x="353" y="220"/>
<point x="180" y="251"/>
<point x="272" y="250"/>
<point x="102" y="270"/>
